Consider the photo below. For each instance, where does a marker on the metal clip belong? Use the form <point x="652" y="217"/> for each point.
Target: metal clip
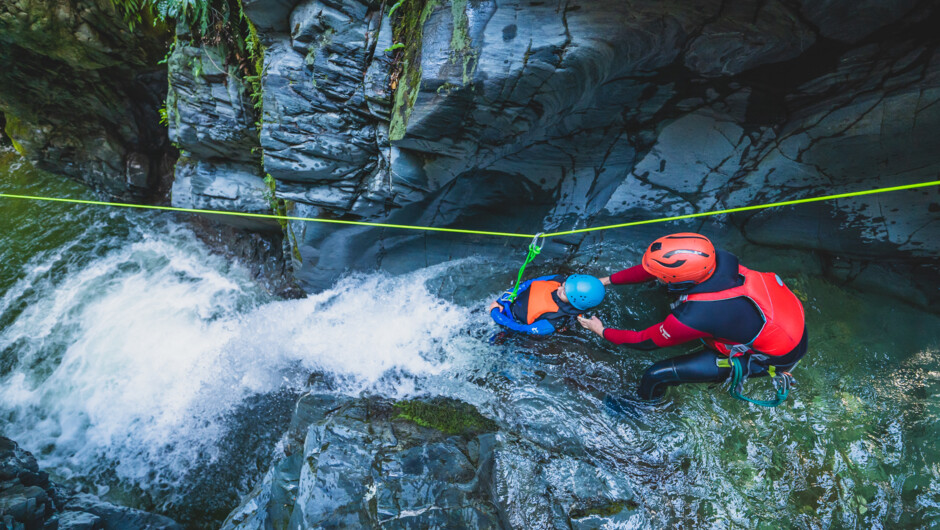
<point x="535" y="242"/>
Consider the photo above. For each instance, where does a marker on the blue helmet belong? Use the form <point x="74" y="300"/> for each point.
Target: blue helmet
<point x="584" y="291"/>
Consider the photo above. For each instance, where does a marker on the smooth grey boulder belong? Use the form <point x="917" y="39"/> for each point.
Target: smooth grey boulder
<point x="79" y="521"/>
<point x="364" y="463"/>
<point x="268" y="15"/>
<point x="119" y="517"/>
<point x="748" y="35"/>
<point x="224" y="186"/>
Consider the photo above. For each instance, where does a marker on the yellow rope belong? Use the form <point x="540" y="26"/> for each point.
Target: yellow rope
<point x="263" y="215"/>
<point x="749" y="208"/>
<point x="478" y="232"/>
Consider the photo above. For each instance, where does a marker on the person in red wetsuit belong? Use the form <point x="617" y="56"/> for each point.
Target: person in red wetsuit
<point x="733" y="310"/>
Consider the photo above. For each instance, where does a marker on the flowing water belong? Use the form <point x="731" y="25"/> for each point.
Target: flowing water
<point x="137" y="365"/>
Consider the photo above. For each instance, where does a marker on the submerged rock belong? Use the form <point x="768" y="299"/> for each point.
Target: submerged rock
<point x="28" y="500"/>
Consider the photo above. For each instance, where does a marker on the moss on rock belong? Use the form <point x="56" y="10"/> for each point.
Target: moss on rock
<point x="13" y="128"/>
<point x="607" y="509"/>
<point x="446" y="415"/>
<point x="460" y="42"/>
<point x="409" y="30"/>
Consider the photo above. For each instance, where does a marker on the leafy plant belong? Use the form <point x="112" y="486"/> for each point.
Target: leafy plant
<point x="395" y="7"/>
<point x="169" y="52"/>
<point x="195" y="13"/>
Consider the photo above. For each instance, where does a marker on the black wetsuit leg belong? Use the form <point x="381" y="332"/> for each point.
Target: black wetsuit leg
<point x="699" y="367"/>
<point x="702" y="367"/>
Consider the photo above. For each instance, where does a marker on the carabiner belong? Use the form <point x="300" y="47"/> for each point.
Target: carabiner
<point x="535" y="242"/>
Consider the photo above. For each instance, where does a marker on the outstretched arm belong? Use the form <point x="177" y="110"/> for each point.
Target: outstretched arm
<point x="667" y="333"/>
<point x="635" y="274"/>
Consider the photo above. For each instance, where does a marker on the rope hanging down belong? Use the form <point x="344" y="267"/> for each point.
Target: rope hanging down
<point x="534" y="249"/>
<point x="782" y="383"/>
<point x="477" y="232"/>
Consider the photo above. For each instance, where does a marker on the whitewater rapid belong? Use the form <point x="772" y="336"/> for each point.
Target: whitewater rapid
<point x="133" y="360"/>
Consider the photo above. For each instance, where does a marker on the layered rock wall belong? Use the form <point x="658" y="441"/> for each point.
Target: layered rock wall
<point x="510" y="116"/>
<point x="517" y="116"/>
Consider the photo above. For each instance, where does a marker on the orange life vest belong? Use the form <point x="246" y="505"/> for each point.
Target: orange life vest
<point x="780" y="309"/>
<point x="540" y="300"/>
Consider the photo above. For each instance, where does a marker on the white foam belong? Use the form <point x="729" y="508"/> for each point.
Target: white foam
<point x="135" y="357"/>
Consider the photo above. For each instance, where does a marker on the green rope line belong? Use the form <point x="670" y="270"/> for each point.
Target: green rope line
<point x="534" y="250"/>
<point x="479" y="232"/>
<point x="737" y="375"/>
<point x="263" y="216"/>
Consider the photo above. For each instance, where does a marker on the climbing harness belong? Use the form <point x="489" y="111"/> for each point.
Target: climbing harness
<point x="534" y="249"/>
<point x="782" y="381"/>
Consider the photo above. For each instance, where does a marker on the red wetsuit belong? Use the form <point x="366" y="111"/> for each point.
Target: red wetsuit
<point x="706" y="315"/>
<point x="735" y="320"/>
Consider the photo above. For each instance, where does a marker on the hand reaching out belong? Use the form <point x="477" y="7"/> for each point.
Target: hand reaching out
<point x="594" y="324"/>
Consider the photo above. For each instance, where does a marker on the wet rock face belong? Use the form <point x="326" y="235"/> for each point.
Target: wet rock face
<point x="554" y="116"/>
<point x="29" y="501"/>
<point x="211" y="118"/>
<point x="510" y="116"/>
<point x="369" y="463"/>
<point x="80" y="93"/>
<point x="426" y="463"/>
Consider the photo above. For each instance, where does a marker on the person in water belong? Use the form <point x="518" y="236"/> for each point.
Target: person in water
<point x="547" y="304"/>
<point x="733" y="310"/>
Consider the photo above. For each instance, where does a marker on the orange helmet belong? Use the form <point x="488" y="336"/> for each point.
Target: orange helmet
<point x="685" y="257"/>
